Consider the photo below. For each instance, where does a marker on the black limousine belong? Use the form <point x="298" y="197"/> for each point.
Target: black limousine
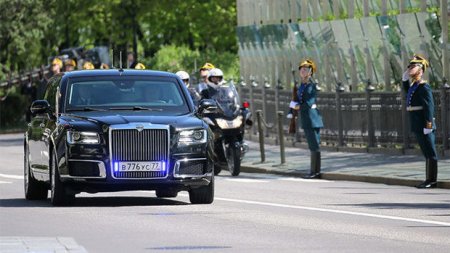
<point x="117" y="130"/>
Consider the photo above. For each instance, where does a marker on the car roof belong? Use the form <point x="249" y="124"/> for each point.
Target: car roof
<point x="117" y="72"/>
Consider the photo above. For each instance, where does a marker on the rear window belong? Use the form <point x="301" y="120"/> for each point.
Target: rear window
<point x="113" y="93"/>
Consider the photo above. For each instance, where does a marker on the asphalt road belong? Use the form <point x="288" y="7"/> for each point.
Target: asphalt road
<point x="251" y="213"/>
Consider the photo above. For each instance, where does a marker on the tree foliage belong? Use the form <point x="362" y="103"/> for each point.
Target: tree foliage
<point x="33" y="30"/>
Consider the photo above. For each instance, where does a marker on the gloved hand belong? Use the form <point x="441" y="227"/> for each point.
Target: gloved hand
<point x="405" y="76"/>
<point x="289" y="116"/>
<point x="293" y="105"/>
<point x="427" y="131"/>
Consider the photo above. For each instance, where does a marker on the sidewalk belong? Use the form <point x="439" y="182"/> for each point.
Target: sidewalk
<point x="406" y="170"/>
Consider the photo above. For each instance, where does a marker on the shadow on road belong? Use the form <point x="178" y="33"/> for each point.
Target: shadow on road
<point x="95" y="202"/>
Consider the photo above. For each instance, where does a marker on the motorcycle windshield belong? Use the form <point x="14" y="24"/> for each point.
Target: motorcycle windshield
<point x="228" y="101"/>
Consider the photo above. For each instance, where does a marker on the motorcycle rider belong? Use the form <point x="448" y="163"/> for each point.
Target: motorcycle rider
<point x="184" y="76"/>
<point x="227" y="122"/>
<point x="215" y="79"/>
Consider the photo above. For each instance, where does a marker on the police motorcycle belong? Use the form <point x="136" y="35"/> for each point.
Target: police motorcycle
<point x="227" y="122"/>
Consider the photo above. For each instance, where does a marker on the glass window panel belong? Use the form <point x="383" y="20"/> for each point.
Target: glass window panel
<point x="393" y="5"/>
<point x="317" y="46"/>
<point x="431" y="35"/>
<point x="343" y="47"/>
<point x="372" y="32"/>
<point x="358" y="45"/>
<point x="414" y="3"/>
<point x="327" y="37"/>
<point x="391" y="31"/>
<point x="375" y="6"/>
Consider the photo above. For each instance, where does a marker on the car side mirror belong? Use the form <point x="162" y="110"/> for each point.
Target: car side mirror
<point x="40" y="107"/>
<point x="207" y="106"/>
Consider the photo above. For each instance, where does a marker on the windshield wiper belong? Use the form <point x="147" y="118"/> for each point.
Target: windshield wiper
<point x="135" y="108"/>
<point x="86" y="109"/>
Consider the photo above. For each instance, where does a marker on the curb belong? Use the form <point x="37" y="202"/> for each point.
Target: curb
<point x="346" y="177"/>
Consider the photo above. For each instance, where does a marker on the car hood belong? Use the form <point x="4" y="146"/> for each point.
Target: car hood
<point x="99" y="119"/>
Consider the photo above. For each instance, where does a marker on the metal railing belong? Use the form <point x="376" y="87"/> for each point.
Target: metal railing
<point x="367" y="119"/>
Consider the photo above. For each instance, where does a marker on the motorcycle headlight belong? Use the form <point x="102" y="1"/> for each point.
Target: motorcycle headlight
<point x="187" y="137"/>
<point x="226" y="124"/>
<point x="76" y="137"/>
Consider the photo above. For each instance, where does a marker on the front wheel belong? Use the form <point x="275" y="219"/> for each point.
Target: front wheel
<point x="203" y="194"/>
<point x="234" y="159"/>
<point x="59" y="195"/>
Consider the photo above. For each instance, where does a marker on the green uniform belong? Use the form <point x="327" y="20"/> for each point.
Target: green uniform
<point x="310" y="118"/>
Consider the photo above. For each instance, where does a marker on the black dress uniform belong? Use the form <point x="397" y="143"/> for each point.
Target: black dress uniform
<point x="420" y="107"/>
<point x="310" y="118"/>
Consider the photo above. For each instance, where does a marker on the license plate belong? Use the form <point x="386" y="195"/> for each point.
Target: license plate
<point x="140" y="166"/>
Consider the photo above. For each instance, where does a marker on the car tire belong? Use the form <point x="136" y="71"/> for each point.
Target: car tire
<point x="166" y="193"/>
<point x="59" y="195"/>
<point x="203" y="194"/>
<point x="34" y="190"/>
<point x="234" y="160"/>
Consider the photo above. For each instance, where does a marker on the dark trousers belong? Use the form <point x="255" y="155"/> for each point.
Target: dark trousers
<point x="427" y="144"/>
<point x="313" y="137"/>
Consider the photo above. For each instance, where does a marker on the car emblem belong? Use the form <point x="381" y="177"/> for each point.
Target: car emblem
<point x="140" y="128"/>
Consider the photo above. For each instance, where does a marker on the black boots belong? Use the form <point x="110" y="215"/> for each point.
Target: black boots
<point x="315" y="165"/>
<point x="431" y="173"/>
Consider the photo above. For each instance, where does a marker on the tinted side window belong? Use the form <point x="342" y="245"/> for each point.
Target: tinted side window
<point x="52" y="90"/>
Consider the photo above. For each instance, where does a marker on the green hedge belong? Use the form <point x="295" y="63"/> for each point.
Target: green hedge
<point x="13" y="110"/>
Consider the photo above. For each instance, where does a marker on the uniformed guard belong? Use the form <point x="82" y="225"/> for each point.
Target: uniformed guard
<point x="139" y="66"/>
<point x="55" y="68"/>
<point x="69" y="65"/>
<point x="204" y="72"/>
<point x="310" y="118"/>
<point x="104" y="66"/>
<point x="420" y="105"/>
<point x="88" y="65"/>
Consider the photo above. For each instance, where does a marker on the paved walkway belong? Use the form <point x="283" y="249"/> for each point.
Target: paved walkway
<point x="366" y="167"/>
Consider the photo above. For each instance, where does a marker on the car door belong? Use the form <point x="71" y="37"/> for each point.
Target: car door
<point x="35" y="133"/>
<point x="40" y="134"/>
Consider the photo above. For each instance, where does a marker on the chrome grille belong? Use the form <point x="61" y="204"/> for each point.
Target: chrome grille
<point x="134" y="145"/>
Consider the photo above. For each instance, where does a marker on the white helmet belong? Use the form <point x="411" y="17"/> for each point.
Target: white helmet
<point x="215" y="72"/>
<point x="183" y="75"/>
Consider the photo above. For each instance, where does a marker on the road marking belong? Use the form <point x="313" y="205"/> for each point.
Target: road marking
<point x="447" y="224"/>
<point x="41" y="244"/>
<point x="245" y="180"/>
<point x="294" y="179"/>
<point x="11" y="176"/>
<point x="5" y="182"/>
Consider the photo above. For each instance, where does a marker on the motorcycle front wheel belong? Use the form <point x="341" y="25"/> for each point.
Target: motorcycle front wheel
<point x="234" y="159"/>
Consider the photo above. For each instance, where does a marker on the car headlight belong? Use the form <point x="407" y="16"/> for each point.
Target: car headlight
<point x="76" y="137"/>
<point x="187" y="137"/>
<point x="226" y="124"/>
